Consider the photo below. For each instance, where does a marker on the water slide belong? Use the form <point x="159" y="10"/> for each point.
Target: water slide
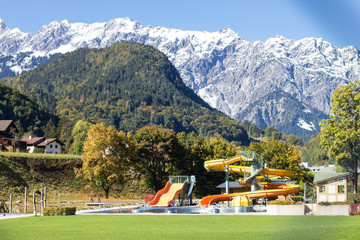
<point x="272" y="189"/>
<point x="167" y="195"/>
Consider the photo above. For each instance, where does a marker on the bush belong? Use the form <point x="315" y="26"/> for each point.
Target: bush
<point x="353" y="197"/>
<point x="59" y="211"/>
<point x="297" y="198"/>
<point x="277" y="202"/>
<point x="332" y="203"/>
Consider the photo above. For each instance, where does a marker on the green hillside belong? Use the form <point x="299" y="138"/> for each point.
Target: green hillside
<point x="36" y="172"/>
<point x="127" y="85"/>
<point x="23" y="109"/>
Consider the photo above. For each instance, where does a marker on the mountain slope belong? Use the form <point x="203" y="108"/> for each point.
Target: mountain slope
<point x="226" y="71"/>
<point x="23" y="109"/>
<point x="127" y="85"/>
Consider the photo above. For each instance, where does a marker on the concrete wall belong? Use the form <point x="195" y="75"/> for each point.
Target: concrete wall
<point x="309" y="209"/>
<point x="332" y="210"/>
<point x="285" y="210"/>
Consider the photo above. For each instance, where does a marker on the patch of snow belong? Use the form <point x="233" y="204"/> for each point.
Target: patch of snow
<point x="307" y="126"/>
<point x="306" y="110"/>
<point x="16" y="69"/>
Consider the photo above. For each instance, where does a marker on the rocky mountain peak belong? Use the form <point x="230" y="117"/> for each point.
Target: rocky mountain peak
<point x="2" y="24"/>
<point x="228" y="72"/>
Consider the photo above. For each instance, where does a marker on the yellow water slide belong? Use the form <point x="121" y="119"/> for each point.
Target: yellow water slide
<point x="272" y="189"/>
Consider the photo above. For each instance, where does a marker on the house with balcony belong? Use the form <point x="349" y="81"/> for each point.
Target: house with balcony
<point x="8" y="137"/>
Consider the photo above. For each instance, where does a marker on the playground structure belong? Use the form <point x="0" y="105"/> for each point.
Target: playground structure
<point x="256" y="177"/>
<point x="181" y="186"/>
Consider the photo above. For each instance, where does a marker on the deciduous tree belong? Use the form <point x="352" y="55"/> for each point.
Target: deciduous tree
<point x="280" y="155"/>
<point x="106" y="156"/>
<point x="157" y="150"/>
<point x="340" y="134"/>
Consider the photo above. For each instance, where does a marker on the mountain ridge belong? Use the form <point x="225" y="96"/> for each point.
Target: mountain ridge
<point x="225" y="70"/>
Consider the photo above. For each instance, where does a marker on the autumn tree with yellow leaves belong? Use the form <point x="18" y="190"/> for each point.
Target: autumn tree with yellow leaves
<point x="106" y="157"/>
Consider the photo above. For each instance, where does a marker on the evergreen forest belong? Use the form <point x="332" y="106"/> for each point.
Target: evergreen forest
<point x="126" y="85"/>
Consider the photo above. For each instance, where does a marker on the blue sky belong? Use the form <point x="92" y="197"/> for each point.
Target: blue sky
<point x="337" y="21"/>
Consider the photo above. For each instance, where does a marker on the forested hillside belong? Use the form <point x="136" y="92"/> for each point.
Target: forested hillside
<point x="127" y="85"/>
<point x="28" y="115"/>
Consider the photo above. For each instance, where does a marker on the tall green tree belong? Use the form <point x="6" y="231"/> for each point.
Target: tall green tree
<point x="220" y="148"/>
<point x="157" y="150"/>
<point x="78" y="136"/>
<point x="196" y="150"/>
<point x="50" y="130"/>
<point x="64" y="132"/>
<point x="106" y="157"/>
<point x="340" y="134"/>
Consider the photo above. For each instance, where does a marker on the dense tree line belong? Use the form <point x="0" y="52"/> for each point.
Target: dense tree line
<point x="313" y="153"/>
<point x="157" y="153"/>
<point x="271" y="133"/>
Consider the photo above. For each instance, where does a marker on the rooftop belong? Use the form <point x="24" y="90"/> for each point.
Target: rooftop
<point x="4" y="124"/>
<point x="321" y="177"/>
<point x="46" y="142"/>
<point x="232" y="184"/>
<point x="33" y="140"/>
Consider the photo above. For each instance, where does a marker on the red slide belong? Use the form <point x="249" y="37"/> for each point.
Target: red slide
<point x="166" y="196"/>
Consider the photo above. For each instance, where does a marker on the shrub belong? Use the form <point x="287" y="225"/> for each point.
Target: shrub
<point x="59" y="211"/>
<point x="297" y="198"/>
<point x="353" y="197"/>
<point x="277" y="202"/>
<point x="332" y="203"/>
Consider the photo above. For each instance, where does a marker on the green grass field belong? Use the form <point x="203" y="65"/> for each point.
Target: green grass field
<point x="181" y="227"/>
<point x="40" y="155"/>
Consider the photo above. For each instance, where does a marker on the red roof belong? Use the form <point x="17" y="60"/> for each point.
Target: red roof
<point x="46" y="142"/>
<point x="33" y="140"/>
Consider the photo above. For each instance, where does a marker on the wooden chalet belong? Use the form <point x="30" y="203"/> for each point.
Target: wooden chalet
<point x="8" y="137"/>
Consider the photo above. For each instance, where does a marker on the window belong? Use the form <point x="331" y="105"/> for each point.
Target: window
<point x="341" y="180"/>
<point x="341" y="189"/>
<point x="50" y="145"/>
<point x="322" y="188"/>
<point x="56" y="146"/>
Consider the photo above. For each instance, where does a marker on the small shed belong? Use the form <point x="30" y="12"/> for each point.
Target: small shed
<point x="331" y="187"/>
<point x="234" y="187"/>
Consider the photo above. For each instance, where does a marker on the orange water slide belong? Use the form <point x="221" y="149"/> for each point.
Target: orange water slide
<point x="167" y="195"/>
<point x="279" y="189"/>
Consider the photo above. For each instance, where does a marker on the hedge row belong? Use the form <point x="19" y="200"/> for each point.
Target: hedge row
<point x="59" y="211"/>
<point x="332" y="203"/>
<point x="287" y="202"/>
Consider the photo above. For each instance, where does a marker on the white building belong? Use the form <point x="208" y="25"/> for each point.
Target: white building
<point x="51" y="146"/>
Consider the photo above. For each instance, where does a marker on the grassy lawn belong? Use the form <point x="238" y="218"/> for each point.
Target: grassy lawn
<point x="40" y="155"/>
<point x="181" y="227"/>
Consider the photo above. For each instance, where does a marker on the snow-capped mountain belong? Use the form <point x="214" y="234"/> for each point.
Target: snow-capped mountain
<point x="261" y="82"/>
